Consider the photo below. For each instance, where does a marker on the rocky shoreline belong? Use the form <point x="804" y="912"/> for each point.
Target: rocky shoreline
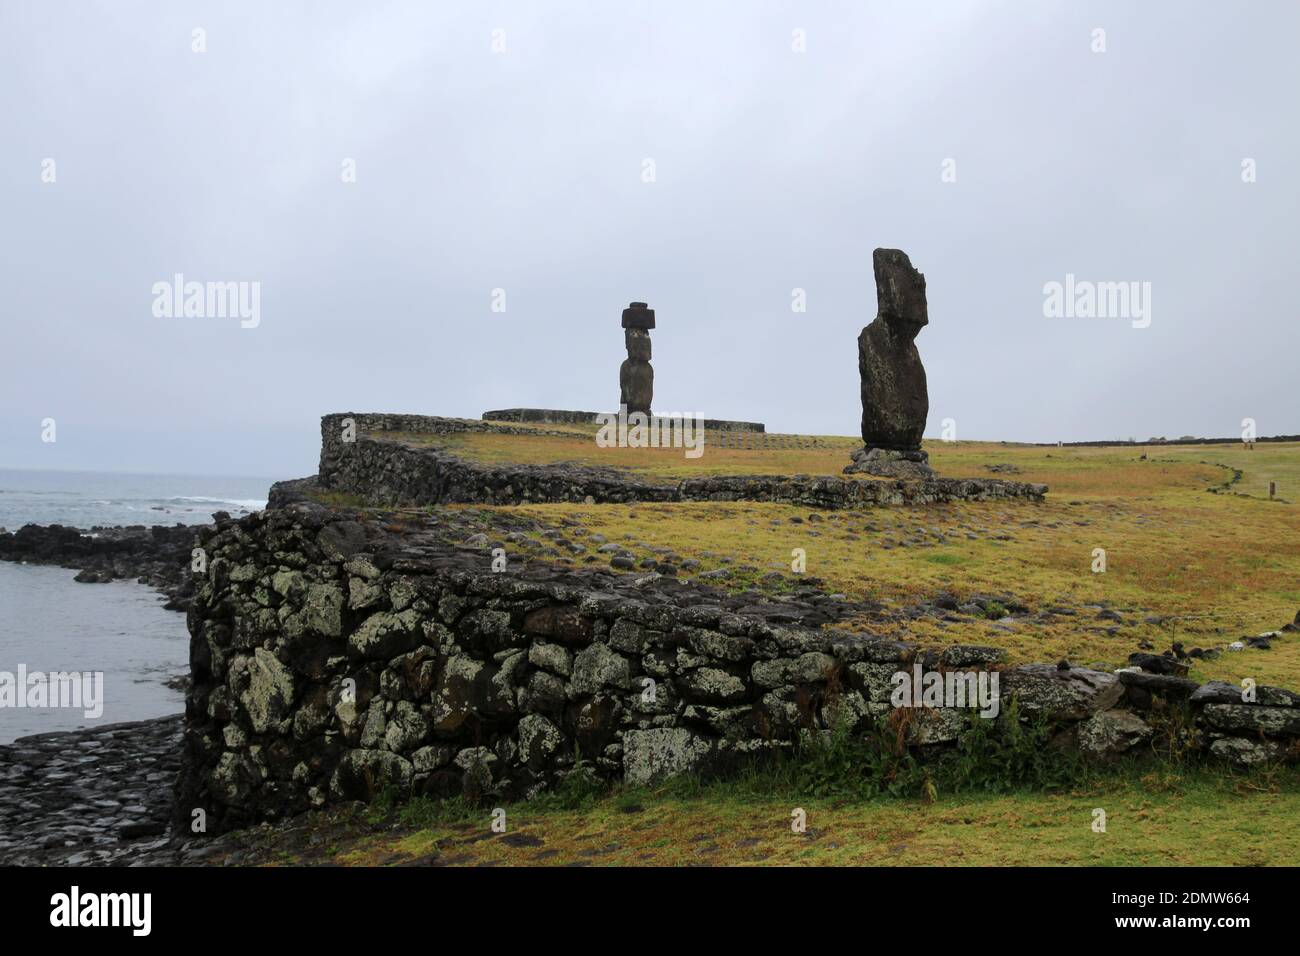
<point x="101" y="796"/>
<point x="158" y="556"/>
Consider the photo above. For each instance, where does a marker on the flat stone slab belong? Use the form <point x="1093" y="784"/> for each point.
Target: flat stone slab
<point x="101" y="796"/>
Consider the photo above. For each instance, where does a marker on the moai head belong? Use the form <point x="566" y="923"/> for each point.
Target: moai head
<point x="638" y="344"/>
<point x="900" y="293"/>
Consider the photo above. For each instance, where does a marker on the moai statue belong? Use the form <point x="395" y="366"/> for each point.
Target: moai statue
<point x="636" y="379"/>
<point x="895" y="401"/>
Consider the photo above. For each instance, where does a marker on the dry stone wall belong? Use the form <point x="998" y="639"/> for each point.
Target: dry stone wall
<point x="339" y="655"/>
<point x="363" y="461"/>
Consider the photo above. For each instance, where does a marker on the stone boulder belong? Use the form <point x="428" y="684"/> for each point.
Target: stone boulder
<point x="1110" y="733"/>
<point x="650" y="756"/>
<point x="1244" y="753"/>
<point x="1073" y="694"/>
<point x="1254" y="719"/>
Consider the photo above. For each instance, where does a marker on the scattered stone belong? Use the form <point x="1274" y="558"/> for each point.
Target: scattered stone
<point x="1161" y="685"/>
<point x="1158" y="664"/>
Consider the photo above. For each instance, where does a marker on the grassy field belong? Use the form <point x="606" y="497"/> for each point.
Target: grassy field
<point x="1195" y="552"/>
<point x="1182" y="563"/>
<point x="1155" y="818"/>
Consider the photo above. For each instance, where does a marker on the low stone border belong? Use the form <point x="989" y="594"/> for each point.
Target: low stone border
<point x="389" y="472"/>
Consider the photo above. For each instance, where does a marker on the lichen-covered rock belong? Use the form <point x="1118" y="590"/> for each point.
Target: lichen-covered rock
<point x="430" y="758"/>
<point x="551" y="657"/>
<point x="1073" y="694"/>
<point x="566" y="624"/>
<point x="488" y="630"/>
<point x="365" y="774"/>
<point x="459" y="691"/>
<point x="805" y="669"/>
<point x="629" y="637"/>
<point x="876" y="680"/>
<point x="383" y="636"/>
<point x="847" y="709"/>
<point x="650" y="756"/>
<point x="972" y="655"/>
<point x="341" y="539"/>
<point x="235" y="778"/>
<point x="538" y="740"/>
<point x="723" y="647"/>
<point x="1216" y="692"/>
<point x="596" y="667"/>
<point x="407" y="729"/>
<point x="479" y="765"/>
<point x="270" y="693"/>
<point x="374" y="727"/>
<point x="364" y="595"/>
<point x="322" y="609"/>
<point x="544" y="694"/>
<point x="1243" y="752"/>
<point x="1110" y="733"/>
<point x="1219" y="692"/>
<point x="713" y="685"/>
<point x="1254" y="718"/>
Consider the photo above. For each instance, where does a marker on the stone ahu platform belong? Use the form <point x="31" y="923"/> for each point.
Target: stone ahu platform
<point x="340" y="654"/>
<point x="382" y="466"/>
<point x="559" y="416"/>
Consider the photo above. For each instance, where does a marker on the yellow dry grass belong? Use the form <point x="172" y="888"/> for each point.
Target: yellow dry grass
<point x="1217" y="567"/>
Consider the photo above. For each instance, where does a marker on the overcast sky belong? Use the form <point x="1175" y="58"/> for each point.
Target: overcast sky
<point x="524" y="170"/>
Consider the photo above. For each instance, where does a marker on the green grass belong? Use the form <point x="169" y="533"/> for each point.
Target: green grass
<point x="1193" y="816"/>
<point x="1182" y="564"/>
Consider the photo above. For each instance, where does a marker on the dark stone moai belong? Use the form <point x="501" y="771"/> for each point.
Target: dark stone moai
<point x="895" y="401"/>
<point x="636" y="379"/>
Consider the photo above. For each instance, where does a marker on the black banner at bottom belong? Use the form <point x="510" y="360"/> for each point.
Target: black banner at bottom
<point x="338" y="905"/>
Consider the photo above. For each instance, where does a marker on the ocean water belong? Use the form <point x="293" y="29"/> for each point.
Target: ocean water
<point x="83" y="499"/>
<point x="48" y="622"/>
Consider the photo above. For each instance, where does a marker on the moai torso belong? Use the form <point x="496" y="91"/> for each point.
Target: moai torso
<point x="895" y="401"/>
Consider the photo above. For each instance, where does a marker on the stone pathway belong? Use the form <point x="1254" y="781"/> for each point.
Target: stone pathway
<point x="91" y="797"/>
